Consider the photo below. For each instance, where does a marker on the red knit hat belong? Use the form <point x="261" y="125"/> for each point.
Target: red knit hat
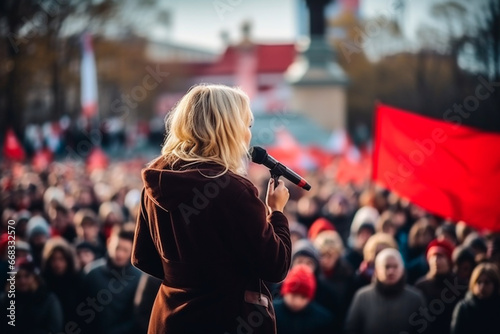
<point x="300" y="280"/>
<point x="443" y="247"/>
<point x="319" y="225"/>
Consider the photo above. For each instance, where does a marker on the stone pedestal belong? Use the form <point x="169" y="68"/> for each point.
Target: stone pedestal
<point x="318" y="85"/>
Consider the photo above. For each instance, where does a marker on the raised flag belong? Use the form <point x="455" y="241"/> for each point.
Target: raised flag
<point x="12" y="148"/>
<point x="448" y="169"/>
<point x="88" y="74"/>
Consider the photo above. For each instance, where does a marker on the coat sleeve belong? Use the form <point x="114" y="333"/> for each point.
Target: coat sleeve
<point x="55" y="314"/>
<point x="262" y="242"/>
<point x="354" y="320"/>
<point x="144" y="254"/>
<point x="459" y="323"/>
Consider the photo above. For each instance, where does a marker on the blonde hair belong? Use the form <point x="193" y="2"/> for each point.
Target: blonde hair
<point x="490" y="270"/>
<point x="208" y="125"/>
<point x="376" y="240"/>
<point x="328" y="242"/>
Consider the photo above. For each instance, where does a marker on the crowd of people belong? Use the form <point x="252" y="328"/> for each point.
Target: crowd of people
<point x="363" y="259"/>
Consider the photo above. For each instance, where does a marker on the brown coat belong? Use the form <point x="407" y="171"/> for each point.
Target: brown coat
<point x="211" y="243"/>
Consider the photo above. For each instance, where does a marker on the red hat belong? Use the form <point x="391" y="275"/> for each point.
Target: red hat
<point x="443" y="247"/>
<point x="300" y="280"/>
<point x="319" y="225"/>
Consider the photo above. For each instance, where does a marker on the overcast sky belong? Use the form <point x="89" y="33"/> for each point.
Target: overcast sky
<point x="199" y="22"/>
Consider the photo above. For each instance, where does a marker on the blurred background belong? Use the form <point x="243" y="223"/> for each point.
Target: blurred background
<point x="76" y="74"/>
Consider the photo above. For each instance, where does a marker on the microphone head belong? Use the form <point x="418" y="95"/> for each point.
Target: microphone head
<point x="259" y="155"/>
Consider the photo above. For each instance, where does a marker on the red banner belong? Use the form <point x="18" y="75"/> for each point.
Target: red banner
<point x="448" y="169"/>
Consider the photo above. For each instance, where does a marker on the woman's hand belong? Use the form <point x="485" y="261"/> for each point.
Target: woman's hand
<point x="276" y="199"/>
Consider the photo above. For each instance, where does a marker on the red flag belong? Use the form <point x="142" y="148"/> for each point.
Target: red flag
<point x="88" y="72"/>
<point x="97" y="160"/>
<point x="12" y="148"/>
<point x="448" y="169"/>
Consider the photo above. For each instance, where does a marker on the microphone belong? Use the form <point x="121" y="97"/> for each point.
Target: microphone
<point x="277" y="169"/>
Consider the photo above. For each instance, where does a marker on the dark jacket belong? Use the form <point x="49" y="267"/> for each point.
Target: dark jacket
<point x="442" y="293"/>
<point x="37" y="312"/>
<point x="474" y="315"/>
<point x="67" y="288"/>
<point x="340" y="279"/>
<point x="208" y="237"/>
<point x="144" y="300"/>
<point x="312" y="319"/>
<point x="381" y="309"/>
<point x="113" y="290"/>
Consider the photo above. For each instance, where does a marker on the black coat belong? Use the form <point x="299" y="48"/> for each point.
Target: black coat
<point x="113" y="291"/>
<point x="474" y="315"/>
<point x="67" y="288"/>
<point x="442" y="293"/>
<point x="341" y="282"/>
<point x="36" y="312"/>
<point x="312" y="319"/>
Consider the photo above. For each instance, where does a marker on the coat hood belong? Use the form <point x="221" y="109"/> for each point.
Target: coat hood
<point x="169" y="188"/>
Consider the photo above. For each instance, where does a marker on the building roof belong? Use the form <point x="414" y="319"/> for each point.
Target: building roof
<point x="270" y="59"/>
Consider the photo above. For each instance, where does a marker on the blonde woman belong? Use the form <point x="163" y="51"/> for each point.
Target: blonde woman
<point x="478" y="311"/>
<point x="337" y="272"/>
<point x="375" y="244"/>
<point x="202" y="228"/>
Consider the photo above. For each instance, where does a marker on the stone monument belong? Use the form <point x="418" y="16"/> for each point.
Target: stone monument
<point x="317" y="81"/>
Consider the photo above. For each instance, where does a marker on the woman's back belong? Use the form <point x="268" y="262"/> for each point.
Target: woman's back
<point x="208" y="239"/>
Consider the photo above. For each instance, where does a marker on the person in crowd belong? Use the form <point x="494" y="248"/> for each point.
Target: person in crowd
<point x="21" y="218"/>
<point x="110" y="214"/>
<point x="479" y="311"/>
<point x="447" y="232"/>
<point x="374" y="245"/>
<point x="338" y="211"/>
<point x="202" y="228"/>
<point x="88" y="230"/>
<point x="318" y="226"/>
<point x="297" y="231"/>
<point x="60" y="274"/>
<point x="296" y="312"/>
<point x="308" y="210"/>
<point x="440" y="284"/>
<point x="37" y="310"/>
<point x="364" y="215"/>
<point x="37" y="233"/>
<point x="304" y="253"/>
<point x="337" y="272"/>
<point x="145" y="296"/>
<point x="386" y="305"/>
<point x="23" y="250"/>
<point x="463" y="231"/>
<point x="493" y="252"/>
<point x="463" y="263"/>
<point x="385" y="224"/>
<point x="85" y="197"/>
<point x="116" y="275"/>
<point x="85" y="254"/>
<point x="354" y="254"/>
<point x="477" y="244"/>
<point x="60" y="221"/>
<point x="421" y="234"/>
